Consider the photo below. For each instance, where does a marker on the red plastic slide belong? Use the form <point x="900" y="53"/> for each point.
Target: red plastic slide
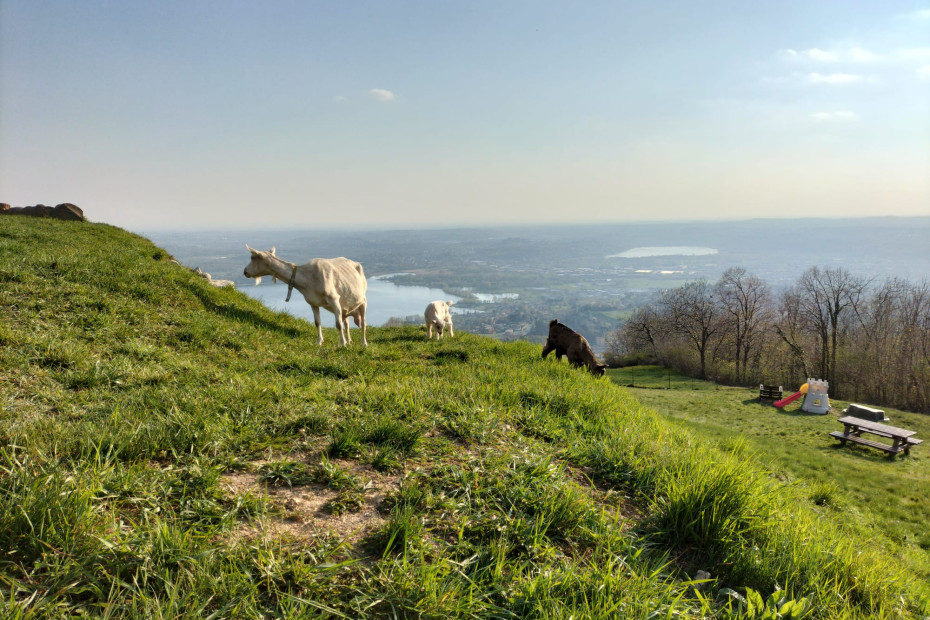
<point x="784" y="401"/>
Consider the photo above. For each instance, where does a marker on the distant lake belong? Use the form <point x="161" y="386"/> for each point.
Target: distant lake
<point x="671" y="250"/>
<point x="385" y="300"/>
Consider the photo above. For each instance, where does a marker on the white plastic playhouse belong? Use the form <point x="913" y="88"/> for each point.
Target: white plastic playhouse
<point x="816" y="400"/>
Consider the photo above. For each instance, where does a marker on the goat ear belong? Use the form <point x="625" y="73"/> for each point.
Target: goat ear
<point x="251" y="249"/>
<point x="272" y="250"/>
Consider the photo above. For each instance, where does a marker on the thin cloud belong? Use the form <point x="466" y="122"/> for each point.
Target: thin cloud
<point x="339" y="98"/>
<point x="382" y="94"/>
<point x="924" y="72"/>
<point x="837" y="116"/>
<point x="811" y="54"/>
<point x="858" y="54"/>
<point x="815" y="54"/>
<point x="821" y="55"/>
<point x="834" y="79"/>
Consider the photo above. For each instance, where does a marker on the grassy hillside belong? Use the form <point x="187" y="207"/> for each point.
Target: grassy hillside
<point x="174" y="450"/>
<point x="796" y="446"/>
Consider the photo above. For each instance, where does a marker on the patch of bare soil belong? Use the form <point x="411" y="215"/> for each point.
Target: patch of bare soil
<point x="303" y="512"/>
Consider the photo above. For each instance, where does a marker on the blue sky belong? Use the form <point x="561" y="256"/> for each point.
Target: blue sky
<point x="431" y="114"/>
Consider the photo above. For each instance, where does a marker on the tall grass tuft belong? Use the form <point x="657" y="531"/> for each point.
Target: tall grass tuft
<point x="392" y="433"/>
<point x="345" y="442"/>
<point x="711" y="506"/>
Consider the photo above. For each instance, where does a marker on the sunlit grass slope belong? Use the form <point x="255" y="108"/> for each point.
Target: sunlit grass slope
<point x="886" y="497"/>
<point x="136" y="398"/>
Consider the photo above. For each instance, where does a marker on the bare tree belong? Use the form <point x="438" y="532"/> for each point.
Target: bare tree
<point x="641" y="333"/>
<point x="744" y="299"/>
<point x="695" y="315"/>
<point x="891" y="345"/>
<point x="876" y="340"/>
<point x="915" y="345"/>
<point x="789" y="327"/>
<point x="824" y="297"/>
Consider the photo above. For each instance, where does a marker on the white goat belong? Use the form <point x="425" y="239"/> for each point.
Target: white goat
<point x="438" y="314"/>
<point x="337" y="284"/>
<point x="218" y="283"/>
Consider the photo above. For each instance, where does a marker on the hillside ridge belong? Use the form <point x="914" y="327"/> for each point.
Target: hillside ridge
<point x="176" y="449"/>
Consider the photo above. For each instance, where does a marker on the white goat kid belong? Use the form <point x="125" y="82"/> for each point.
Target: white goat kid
<point x="337" y="284"/>
<point x="439" y="315"/>
<point x="217" y="283"/>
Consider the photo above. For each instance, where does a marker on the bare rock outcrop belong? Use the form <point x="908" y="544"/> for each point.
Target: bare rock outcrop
<point x="64" y="211"/>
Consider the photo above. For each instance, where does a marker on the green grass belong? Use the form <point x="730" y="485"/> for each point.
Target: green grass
<point x="885" y="498"/>
<point x="164" y="442"/>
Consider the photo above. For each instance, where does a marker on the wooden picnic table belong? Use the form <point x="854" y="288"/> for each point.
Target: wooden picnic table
<point x="853" y="428"/>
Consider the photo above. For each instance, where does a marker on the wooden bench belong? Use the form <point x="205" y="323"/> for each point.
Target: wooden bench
<point x="902" y="439"/>
<point x="875" y="444"/>
<point x="769" y="392"/>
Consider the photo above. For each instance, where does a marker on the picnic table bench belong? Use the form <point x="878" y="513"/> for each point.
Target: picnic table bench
<point x="853" y="428"/>
<point x="769" y="392"/>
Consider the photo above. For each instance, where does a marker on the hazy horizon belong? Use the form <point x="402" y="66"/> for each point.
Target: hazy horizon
<point x="348" y="228"/>
<point x="449" y="115"/>
<point x="792" y="244"/>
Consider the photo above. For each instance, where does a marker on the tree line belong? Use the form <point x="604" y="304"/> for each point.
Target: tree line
<point x="870" y="339"/>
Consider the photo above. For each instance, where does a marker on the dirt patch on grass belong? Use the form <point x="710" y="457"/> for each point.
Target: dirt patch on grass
<point x="305" y="511"/>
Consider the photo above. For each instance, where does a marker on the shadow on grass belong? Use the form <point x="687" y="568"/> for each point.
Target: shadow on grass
<point x="311" y="367"/>
<point x="403" y="334"/>
<point x="449" y="355"/>
<point x="799" y="413"/>
<point x="239" y="314"/>
<point x="872" y="455"/>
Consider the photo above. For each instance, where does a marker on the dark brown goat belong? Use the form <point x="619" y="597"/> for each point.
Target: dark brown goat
<point x="565" y="341"/>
